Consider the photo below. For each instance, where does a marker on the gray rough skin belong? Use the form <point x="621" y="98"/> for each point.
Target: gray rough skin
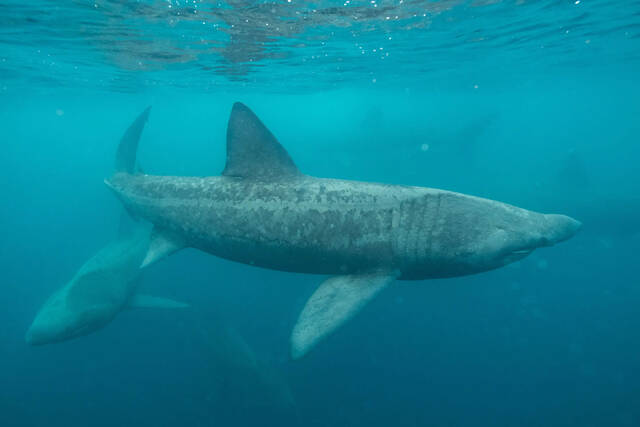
<point x="263" y="211"/>
<point x="327" y="226"/>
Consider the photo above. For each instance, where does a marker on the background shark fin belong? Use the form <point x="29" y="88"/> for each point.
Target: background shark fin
<point x="160" y="245"/>
<point x="252" y="151"/>
<point x="336" y="300"/>
<point x="148" y="301"/>
<point x="126" y="155"/>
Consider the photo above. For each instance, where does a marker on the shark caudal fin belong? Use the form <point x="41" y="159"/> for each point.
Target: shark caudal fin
<point x="126" y="155"/>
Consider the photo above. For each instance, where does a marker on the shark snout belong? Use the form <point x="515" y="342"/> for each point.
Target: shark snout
<point x="560" y="228"/>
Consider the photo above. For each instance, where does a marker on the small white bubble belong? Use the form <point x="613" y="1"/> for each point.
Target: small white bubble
<point x="424" y="147"/>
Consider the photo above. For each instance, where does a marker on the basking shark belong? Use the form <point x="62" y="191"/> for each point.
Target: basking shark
<point x="104" y="286"/>
<point x="263" y="211"/>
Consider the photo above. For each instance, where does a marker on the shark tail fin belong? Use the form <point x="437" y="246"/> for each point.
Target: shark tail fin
<point x="126" y="155"/>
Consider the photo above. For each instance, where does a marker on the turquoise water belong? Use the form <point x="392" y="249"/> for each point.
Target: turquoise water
<point x="531" y="103"/>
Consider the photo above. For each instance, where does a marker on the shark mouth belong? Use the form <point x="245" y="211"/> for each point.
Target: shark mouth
<point x="522" y="252"/>
<point x="517" y="255"/>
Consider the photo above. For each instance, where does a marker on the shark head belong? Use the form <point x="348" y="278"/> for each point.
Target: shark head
<point x="58" y="321"/>
<point x="516" y="233"/>
<point x="486" y="234"/>
<point x="86" y="303"/>
<point x="511" y="244"/>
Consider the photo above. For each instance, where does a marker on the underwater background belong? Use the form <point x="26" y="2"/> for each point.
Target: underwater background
<point x="533" y="103"/>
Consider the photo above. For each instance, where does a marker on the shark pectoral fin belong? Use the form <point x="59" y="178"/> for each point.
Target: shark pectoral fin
<point x="337" y="300"/>
<point x="148" y="301"/>
<point x="160" y="245"/>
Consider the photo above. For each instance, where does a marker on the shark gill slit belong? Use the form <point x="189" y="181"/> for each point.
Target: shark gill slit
<point x="410" y="216"/>
<point x="395" y="236"/>
<point x="435" y="218"/>
<point x="416" y="218"/>
<point x="404" y="232"/>
<point x="424" y="227"/>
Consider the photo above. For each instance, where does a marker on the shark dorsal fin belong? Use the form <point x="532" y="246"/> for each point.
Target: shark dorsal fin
<point x="252" y="151"/>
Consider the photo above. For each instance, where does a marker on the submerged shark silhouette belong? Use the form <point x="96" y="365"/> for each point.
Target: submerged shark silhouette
<point x="105" y="285"/>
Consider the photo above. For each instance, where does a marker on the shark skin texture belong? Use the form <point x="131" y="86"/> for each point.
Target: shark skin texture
<point x="262" y="211"/>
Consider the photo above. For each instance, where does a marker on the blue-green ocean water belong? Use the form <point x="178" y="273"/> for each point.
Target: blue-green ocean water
<point x="534" y="103"/>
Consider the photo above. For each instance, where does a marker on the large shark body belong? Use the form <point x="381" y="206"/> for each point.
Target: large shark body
<point x="263" y="211"/>
<point x="103" y="287"/>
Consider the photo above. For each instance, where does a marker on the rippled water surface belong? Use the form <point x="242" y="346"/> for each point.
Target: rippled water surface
<point x="129" y="45"/>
